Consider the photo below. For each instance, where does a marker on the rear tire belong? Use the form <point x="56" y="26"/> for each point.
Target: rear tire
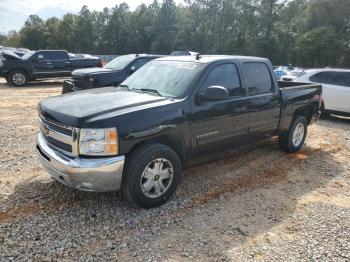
<point x="294" y="139"/>
<point x="17" y="78"/>
<point x="152" y="175"/>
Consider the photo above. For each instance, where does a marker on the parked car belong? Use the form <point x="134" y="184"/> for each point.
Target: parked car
<point x="336" y="88"/>
<point x="41" y="64"/>
<point x="112" y="74"/>
<point x="280" y="71"/>
<point x="292" y="75"/>
<point x="140" y="136"/>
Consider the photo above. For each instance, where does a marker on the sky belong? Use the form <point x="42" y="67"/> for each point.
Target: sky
<point x="13" y="13"/>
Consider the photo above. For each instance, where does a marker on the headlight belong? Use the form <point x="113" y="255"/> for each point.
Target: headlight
<point x="98" y="142"/>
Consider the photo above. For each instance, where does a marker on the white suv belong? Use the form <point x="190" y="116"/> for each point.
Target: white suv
<point x="335" y="88"/>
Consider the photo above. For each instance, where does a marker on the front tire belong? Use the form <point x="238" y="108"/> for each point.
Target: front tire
<point x="294" y="139"/>
<point x="17" y="78"/>
<point x="152" y="175"/>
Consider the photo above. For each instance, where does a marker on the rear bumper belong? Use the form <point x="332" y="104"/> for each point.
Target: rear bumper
<point x="87" y="174"/>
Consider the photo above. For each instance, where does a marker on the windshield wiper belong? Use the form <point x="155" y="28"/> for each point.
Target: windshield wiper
<point x="150" y="90"/>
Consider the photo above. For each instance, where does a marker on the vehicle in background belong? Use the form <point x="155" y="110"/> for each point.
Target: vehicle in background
<point x="41" y="64"/>
<point x="112" y="74"/>
<point x="292" y="75"/>
<point x="280" y="71"/>
<point x="182" y="53"/>
<point x="336" y="88"/>
<point x="18" y="51"/>
<point x="140" y="135"/>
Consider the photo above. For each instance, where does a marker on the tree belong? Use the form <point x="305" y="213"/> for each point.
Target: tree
<point x="320" y="47"/>
<point x="285" y="31"/>
<point x="32" y="34"/>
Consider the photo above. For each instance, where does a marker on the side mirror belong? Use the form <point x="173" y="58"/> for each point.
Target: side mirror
<point x="213" y="93"/>
<point x="40" y="58"/>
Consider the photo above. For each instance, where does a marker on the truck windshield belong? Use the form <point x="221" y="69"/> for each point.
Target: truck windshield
<point x="166" y="78"/>
<point x="120" y="62"/>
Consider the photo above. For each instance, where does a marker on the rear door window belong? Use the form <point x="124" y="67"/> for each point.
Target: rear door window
<point x="225" y="75"/>
<point x="258" y="78"/>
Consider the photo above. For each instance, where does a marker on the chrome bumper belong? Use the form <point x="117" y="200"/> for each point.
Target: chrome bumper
<point x="88" y="174"/>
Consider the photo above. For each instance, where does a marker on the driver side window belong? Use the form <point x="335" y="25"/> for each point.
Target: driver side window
<point x="35" y="57"/>
<point x="225" y="75"/>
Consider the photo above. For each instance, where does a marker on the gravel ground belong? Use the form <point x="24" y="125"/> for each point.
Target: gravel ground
<point x="252" y="204"/>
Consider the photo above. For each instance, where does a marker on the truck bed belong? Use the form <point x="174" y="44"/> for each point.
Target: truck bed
<point x="296" y="97"/>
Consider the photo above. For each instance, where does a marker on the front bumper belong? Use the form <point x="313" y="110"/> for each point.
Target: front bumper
<point x="87" y="174"/>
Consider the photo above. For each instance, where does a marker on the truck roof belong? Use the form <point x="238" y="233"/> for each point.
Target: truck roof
<point x="145" y="55"/>
<point x="211" y="58"/>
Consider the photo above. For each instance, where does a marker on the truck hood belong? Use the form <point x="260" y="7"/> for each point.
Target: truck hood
<point x="82" y="109"/>
<point x="90" y="71"/>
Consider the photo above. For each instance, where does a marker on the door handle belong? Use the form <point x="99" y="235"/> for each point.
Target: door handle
<point x="48" y="63"/>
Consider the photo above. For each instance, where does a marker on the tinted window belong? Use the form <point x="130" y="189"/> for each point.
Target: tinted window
<point x="258" y="78"/>
<point x="332" y="78"/>
<point x="55" y="55"/>
<point x="225" y="75"/>
<point x="35" y="56"/>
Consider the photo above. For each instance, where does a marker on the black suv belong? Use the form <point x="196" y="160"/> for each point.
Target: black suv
<point x="112" y="74"/>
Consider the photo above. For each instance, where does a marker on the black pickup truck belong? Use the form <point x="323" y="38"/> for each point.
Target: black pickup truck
<point x="112" y="74"/>
<point x="41" y="64"/>
<point x="139" y="136"/>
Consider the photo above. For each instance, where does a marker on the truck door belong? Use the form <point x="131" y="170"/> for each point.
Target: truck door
<point x="215" y="123"/>
<point x="59" y="63"/>
<point x="41" y="64"/>
<point x="263" y="99"/>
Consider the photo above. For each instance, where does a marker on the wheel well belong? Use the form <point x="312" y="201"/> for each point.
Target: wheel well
<point x="18" y="69"/>
<point x="306" y="111"/>
<point x="174" y="144"/>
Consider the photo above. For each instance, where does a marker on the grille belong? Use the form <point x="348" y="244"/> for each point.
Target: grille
<point x="59" y="144"/>
<point x="61" y="129"/>
<point x="57" y="136"/>
<point x="79" y="81"/>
